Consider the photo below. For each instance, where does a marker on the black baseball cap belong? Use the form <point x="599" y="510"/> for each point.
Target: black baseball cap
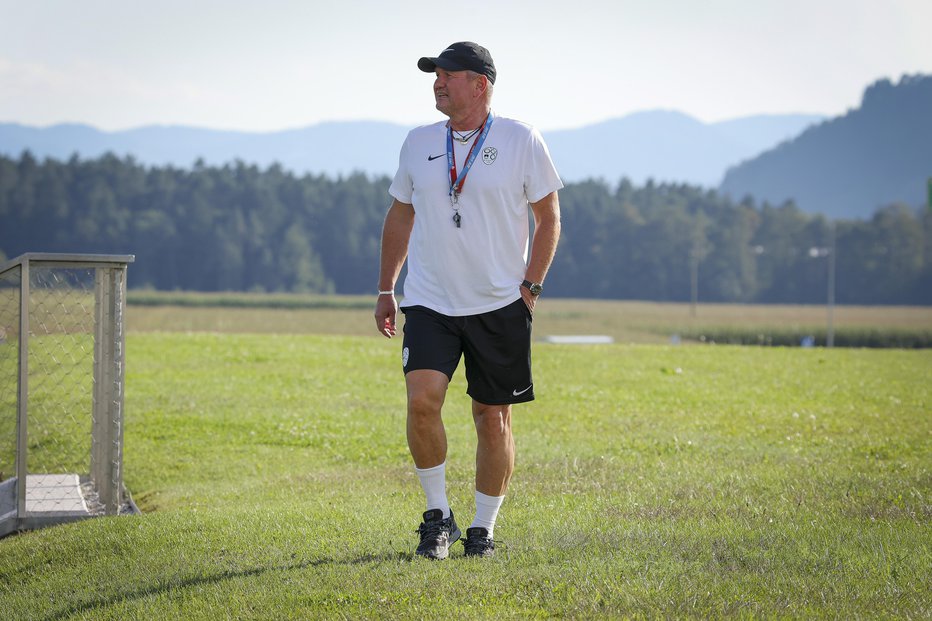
<point x="461" y="56"/>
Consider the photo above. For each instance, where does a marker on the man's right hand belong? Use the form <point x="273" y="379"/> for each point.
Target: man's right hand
<point x="386" y="308"/>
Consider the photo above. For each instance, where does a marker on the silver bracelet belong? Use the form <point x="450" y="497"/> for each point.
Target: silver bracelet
<point x="389" y="292"/>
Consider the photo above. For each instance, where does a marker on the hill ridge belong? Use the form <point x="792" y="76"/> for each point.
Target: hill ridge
<point x="612" y="149"/>
<point x="874" y="155"/>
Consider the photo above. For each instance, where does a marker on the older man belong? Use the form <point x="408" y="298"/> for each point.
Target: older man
<point x="460" y="218"/>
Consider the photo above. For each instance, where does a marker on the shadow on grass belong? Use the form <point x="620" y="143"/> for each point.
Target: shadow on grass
<point x="110" y="599"/>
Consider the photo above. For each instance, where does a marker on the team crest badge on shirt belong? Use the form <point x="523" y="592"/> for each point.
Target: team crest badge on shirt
<point x="489" y="154"/>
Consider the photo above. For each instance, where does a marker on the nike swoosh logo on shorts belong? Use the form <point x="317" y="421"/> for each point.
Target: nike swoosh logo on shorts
<point x="517" y="393"/>
<point x="431" y="158"/>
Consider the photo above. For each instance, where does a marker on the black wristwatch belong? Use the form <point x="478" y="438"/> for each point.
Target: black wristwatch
<point x="534" y="287"/>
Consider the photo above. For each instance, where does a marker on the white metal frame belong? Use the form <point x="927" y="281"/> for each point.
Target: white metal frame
<point x="106" y="459"/>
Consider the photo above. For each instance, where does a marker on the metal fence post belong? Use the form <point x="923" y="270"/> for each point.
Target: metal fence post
<point x="107" y="453"/>
<point x="22" y="397"/>
<point x="100" y="433"/>
<point x="116" y="286"/>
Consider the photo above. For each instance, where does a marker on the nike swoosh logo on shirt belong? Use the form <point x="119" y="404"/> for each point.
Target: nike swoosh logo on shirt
<point x="517" y="393"/>
<point x="431" y="158"/>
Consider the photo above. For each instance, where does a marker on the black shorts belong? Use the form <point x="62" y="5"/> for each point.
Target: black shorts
<point x="495" y="345"/>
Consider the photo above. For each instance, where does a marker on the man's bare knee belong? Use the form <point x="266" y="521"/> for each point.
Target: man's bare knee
<point x="493" y="423"/>
<point x="423" y="405"/>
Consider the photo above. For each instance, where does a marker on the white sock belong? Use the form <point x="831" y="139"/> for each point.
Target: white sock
<point x="487" y="511"/>
<point x="434" y="482"/>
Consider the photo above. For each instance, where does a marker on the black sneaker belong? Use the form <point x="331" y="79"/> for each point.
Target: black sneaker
<point x="478" y="542"/>
<point x="437" y="535"/>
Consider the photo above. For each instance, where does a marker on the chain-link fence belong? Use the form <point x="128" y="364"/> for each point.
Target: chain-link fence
<point x="61" y="388"/>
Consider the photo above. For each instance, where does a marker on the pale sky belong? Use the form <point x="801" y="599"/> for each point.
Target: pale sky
<point x="285" y="64"/>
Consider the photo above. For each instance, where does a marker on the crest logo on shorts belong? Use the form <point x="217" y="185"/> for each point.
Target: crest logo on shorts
<point x="489" y="154"/>
<point x="404" y="357"/>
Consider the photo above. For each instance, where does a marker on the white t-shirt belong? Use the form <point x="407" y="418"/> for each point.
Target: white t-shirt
<point x="478" y="267"/>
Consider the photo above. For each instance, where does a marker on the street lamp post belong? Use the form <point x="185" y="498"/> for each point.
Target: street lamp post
<point x="829" y="253"/>
<point x="693" y="282"/>
<point x="830" y="336"/>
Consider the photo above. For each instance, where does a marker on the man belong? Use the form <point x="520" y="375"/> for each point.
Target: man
<point x="460" y="218"/>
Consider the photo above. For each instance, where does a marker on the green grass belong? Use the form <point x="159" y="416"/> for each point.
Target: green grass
<point x="60" y="389"/>
<point x="146" y="297"/>
<point x="651" y="481"/>
<point x="625" y="321"/>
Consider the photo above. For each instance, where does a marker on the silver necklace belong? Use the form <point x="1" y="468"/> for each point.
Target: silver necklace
<point x="463" y="138"/>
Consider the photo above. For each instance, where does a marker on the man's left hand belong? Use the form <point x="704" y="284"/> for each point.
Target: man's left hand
<point x="529" y="300"/>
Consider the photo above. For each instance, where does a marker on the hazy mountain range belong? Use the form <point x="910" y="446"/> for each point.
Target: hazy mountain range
<point x="663" y="145"/>
<point x="874" y="155"/>
<point x="668" y="146"/>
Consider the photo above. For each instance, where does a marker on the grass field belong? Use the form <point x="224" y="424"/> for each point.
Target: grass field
<point x="652" y="481"/>
<point x="624" y="321"/>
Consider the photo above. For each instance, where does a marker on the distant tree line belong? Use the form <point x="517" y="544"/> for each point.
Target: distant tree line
<point x="242" y="228"/>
